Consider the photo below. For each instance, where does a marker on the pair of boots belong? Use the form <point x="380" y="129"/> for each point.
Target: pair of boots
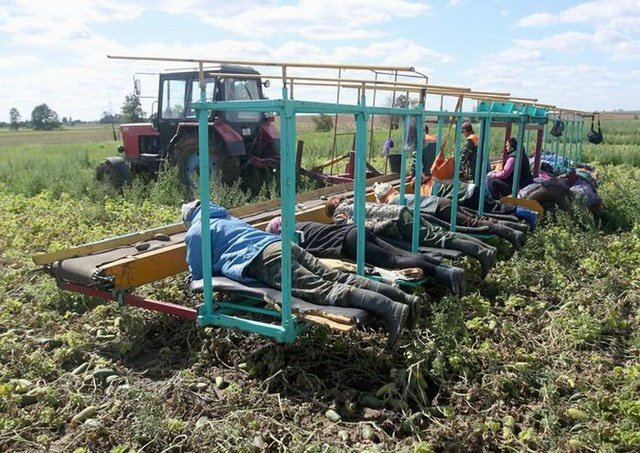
<point x="451" y="277"/>
<point x="470" y="246"/>
<point x="396" y="314"/>
<point x="515" y="237"/>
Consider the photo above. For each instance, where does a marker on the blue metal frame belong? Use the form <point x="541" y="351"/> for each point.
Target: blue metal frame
<point x="212" y="312"/>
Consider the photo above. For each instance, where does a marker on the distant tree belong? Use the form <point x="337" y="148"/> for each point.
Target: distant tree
<point x="14" y="116"/>
<point x="109" y="118"/>
<point x="132" y="110"/>
<point x="403" y="102"/>
<point x="322" y="123"/>
<point x="44" y="119"/>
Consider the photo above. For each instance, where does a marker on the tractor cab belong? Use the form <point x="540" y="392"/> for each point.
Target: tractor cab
<point x="243" y="144"/>
<point x="179" y="90"/>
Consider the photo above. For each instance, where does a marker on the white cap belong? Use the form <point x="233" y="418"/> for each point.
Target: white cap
<point x="380" y="189"/>
<point x="186" y="211"/>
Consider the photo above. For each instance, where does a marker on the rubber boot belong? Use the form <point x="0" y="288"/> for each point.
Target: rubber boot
<point x="487" y="259"/>
<point x="414" y="304"/>
<point x="515" y="237"/>
<point x="514" y="225"/>
<point x="484" y="253"/>
<point x="395" y="314"/>
<point x="452" y="278"/>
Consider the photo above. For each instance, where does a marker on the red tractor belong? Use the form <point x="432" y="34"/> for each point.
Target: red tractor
<point x="243" y="146"/>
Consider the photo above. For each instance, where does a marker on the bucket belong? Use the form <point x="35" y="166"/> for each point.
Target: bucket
<point x="395" y="162"/>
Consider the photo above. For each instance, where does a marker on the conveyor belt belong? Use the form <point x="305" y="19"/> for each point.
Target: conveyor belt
<point x="124" y="267"/>
<point x="129" y="267"/>
<point x="343" y="315"/>
<point x="86" y="270"/>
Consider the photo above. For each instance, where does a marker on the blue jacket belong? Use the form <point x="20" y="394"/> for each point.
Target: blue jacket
<point x="234" y="243"/>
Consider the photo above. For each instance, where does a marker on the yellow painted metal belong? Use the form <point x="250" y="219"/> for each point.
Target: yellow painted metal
<point x="155" y="265"/>
<point x="148" y="267"/>
<point x="267" y="63"/>
<point x="324" y="321"/>
<point x="574" y="112"/>
<point x="83" y="250"/>
<point x="533" y="205"/>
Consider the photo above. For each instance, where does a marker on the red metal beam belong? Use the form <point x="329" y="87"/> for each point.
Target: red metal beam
<point x="134" y="301"/>
<point x="538" y="155"/>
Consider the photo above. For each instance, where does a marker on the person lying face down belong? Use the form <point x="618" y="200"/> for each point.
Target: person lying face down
<point x="396" y="222"/>
<point x="438" y="209"/>
<point x="246" y="254"/>
<point x="340" y="241"/>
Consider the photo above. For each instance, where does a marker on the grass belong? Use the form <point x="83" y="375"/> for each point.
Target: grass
<point x="544" y="356"/>
<point x="620" y="145"/>
<point x="85" y="133"/>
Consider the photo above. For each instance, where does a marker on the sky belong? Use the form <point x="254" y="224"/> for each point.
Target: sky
<point x="573" y="54"/>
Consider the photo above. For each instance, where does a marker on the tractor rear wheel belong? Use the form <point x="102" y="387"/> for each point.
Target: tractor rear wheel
<point x="185" y="155"/>
<point x="115" y="171"/>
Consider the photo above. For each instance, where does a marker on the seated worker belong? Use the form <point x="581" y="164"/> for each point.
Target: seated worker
<point x="396" y="222"/>
<point x="499" y="182"/>
<point x="438" y="210"/>
<point x="428" y="155"/>
<point x="469" y="151"/>
<point x="246" y="254"/>
<point x="340" y="241"/>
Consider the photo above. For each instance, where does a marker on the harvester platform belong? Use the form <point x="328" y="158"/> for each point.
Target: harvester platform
<point x="113" y="268"/>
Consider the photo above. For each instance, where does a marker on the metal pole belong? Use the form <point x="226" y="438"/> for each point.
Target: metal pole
<point x="393" y="101"/>
<point x="417" y="195"/>
<point x="287" y="208"/>
<point x="205" y="200"/>
<point x="538" y="155"/>
<point x="456" y="175"/>
<point x="335" y="127"/>
<point x="403" y="164"/>
<point x="485" y="164"/>
<point x="580" y="139"/>
<point x="267" y="63"/>
<point x="436" y="184"/>
<point x="375" y="91"/>
<point x="564" y="147"/>
<point x="360" y="182"/>
<point x="479" y="153"/>
<point x="519" y="148"/>
<point x="556" y="141"/>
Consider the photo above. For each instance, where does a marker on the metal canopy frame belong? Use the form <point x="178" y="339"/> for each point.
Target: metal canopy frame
<point x="572" y="136"/>
<point x="493" y="106"/>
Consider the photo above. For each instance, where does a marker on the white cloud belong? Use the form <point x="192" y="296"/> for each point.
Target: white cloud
<point x="18" y="62"/>
<point x="454" y="2"/>
<point x="537" y="19"/>
<point x="47" y="24"/>
<point x="614" y="24"/>
<point x="595" y="12"/>
<point x="61" y="59"/>
<point x="318" y="19"/>
<point x="573" y="86"/>
<point x="563" y="42"/>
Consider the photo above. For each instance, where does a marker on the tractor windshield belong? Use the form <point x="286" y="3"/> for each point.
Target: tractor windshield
<point x="241" y="90"/>
<point x="211" y="89"/>
<point x="173" y="94"/>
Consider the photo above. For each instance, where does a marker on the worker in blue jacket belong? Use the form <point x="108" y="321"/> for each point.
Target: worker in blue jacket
<point x="246" y="254"/>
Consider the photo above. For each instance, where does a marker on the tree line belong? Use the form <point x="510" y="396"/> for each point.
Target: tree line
<point x="44" y="118"/>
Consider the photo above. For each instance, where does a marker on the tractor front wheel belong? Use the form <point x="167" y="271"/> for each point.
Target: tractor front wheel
<point x="115" y="171"/>
<point x="186" y="157"/>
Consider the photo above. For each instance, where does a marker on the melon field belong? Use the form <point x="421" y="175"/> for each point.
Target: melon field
<point x="544" y="355"/>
